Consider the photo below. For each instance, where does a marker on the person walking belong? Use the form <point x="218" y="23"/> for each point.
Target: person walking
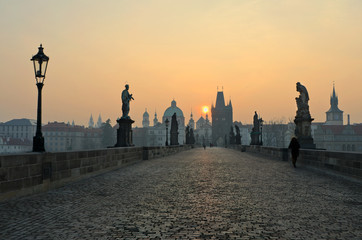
<point x="294" y="146"/>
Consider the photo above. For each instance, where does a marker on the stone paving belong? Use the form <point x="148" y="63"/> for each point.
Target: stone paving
<point x="198" y="194"/>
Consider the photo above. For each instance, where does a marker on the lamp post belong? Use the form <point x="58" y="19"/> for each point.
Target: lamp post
<point x="166" y="122"/>
<point x="40" y="61"/>
<point x="261" y="131"/>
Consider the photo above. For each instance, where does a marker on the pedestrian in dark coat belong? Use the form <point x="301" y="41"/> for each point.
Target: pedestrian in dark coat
<point x="294" y="146"/>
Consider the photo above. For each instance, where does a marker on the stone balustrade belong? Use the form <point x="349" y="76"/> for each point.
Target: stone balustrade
<point x="347" y="163"/>
<point x="30" y="173"/>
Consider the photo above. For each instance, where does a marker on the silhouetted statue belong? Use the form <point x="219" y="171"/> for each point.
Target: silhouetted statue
<point x="231" y="136"/>
<point x="237" y="136"/>
<point x="174" y="130"/>
<point x="187" y="133"/>
<point x="124" y="132"/>
<point x="126" y="98"/>
<point x="255" y="132"/>
<point x="256" y="123"/>
<point x="303" y="119"/>
<point x="302" y="102"/>
<point x="192" y="137"/>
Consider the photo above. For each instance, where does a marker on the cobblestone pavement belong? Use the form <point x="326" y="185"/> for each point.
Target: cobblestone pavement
<point x="198" y="194"/>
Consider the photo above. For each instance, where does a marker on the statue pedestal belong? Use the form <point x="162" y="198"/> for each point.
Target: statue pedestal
<point x="238" y="139"/>
<point x="174" y="138"/>
<point x="124" y="133"/>
<point x="255" y="138"/>
<point x="303" y="132"/>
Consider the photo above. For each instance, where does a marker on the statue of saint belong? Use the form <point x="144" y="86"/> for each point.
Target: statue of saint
<point x="256" y="123"/>
<point x="302" y="101"/>
<point x="303" y="95"/>
<point x="237" y="129"/>
<point x="126" y="98"/>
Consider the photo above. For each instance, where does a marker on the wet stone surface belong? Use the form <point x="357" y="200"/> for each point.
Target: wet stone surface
<point x="198" y="194"/>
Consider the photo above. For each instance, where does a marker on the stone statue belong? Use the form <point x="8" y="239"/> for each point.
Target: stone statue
<point x="256" y="123"/>
<point x="187" y="131"/>
<point x="302" y="102"/>
<point x="237" y="136"/>
<point x="303" y="119"/>
<point x="255" y="133"/>
<point x="126" y="98"/>
<point x="303" y="97"/>
<point x="232" y="136"/>
<point x="174" y="130"/>
<point x="192" y="137"/>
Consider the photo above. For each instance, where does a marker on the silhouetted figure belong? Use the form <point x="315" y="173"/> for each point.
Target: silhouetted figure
<point x="294" y="146"/>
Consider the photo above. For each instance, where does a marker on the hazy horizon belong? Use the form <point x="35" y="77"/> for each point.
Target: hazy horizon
<point x="165" y="50"/>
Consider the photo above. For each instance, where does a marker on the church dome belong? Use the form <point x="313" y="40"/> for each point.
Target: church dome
<point x="173" y="109"/>
<point x="146" y="114"/>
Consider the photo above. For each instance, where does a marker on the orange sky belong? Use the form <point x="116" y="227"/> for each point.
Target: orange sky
<point x="256" y="50"/>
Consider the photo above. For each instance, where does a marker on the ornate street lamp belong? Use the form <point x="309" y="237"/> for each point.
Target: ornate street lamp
<point x="40" y="61"/>
<point x="166" y="122"/>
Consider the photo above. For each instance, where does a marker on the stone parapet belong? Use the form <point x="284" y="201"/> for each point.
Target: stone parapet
<point x="30" y="173"/>
<point x="347" y="163"/>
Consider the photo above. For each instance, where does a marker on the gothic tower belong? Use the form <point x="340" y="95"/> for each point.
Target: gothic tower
<point x="222" y="120"/>
<point x="334" y="116"/>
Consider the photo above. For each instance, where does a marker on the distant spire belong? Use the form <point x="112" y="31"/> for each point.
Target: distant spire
<point x="155" y="120"/>
<point x="99" y="122"/>
<point x="91" y="122"/>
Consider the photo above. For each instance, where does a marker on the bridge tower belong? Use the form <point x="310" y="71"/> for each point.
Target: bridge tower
<point x="222" y="120"/>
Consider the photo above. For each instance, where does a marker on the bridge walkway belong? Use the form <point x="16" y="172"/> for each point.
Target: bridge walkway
<point x="215" y="193"/>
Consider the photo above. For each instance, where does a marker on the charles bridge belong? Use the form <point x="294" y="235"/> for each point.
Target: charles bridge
<point x="241" y="192"/>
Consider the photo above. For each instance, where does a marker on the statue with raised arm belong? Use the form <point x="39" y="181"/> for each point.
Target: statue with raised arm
<point x="126" y="98"/>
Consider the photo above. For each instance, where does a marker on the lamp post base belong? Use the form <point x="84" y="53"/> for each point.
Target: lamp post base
<point x="38" y="144"/>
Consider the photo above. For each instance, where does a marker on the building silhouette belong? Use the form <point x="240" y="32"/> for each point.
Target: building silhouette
<point x="222" y="120"/>
<point x="180" y="120"/>
<point x="333" y="135"/>
<point x="203" y="132"/>
<point x="156" y="135"/>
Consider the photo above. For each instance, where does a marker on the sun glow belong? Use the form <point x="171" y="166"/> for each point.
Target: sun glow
<point x="205" y="109"/>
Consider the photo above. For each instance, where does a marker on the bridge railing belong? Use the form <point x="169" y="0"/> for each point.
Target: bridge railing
<point x="30" y="173"/>
<point x="348" y="163"/>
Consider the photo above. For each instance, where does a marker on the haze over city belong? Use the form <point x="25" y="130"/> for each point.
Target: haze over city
<point x="255" y="50"/>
